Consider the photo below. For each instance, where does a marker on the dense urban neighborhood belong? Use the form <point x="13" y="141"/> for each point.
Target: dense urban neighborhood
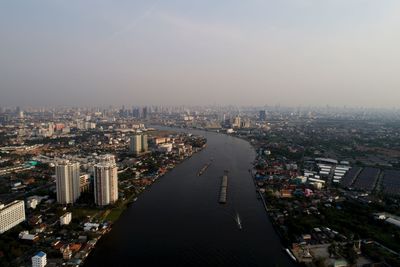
<point x="328" y="178"/>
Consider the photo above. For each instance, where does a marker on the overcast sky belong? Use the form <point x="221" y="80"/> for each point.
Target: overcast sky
<point x="252" y="52"/>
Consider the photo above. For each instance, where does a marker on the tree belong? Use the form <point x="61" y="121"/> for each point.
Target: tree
<point x="351" y="255"/>
<point x="333" y="249"/>
<point x="319" y="262"/>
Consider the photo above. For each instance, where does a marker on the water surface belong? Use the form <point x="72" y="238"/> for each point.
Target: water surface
<point x="179" y="222"/>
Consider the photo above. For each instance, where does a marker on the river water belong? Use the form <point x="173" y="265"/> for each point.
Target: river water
<point x="179" y="222"/>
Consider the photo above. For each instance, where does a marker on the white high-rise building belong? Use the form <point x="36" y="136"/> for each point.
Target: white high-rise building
<point x="11" y="215"/>
<point x="50" y="129"/>
<point x="135" y="144"/>
<point x="39" y="260"/>
<point x="138" y="144"/>
<point x="236" y="122"/>
<point x="67" y="182"/>
<point x="105" y="181"/>
<point x="144" y="143"/>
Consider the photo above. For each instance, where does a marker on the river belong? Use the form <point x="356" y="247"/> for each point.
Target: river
<point x="179" y="222"/>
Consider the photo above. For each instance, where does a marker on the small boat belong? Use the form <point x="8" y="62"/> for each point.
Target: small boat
<point x="239" y="223"/>
<point x="205" y="167"/>
<point x="291" y="254"/>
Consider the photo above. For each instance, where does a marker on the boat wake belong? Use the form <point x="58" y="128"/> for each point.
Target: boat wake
<point x="238" y="221"/>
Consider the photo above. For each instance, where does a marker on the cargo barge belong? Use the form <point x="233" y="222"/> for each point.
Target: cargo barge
<point x="224" y="188"/>
<point x="205" y="167"/>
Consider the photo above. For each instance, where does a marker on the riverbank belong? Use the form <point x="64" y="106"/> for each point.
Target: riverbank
<point x="284" y="241"/>
<point x="113" y="214"/>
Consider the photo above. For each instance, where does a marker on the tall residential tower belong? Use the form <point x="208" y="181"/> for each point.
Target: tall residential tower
<point x="67" y="182"/>
<point x="105" y="181"/>
<point x="138" y="144"/>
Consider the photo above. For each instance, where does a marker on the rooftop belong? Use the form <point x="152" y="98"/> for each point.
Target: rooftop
<point x="40" y="254"/>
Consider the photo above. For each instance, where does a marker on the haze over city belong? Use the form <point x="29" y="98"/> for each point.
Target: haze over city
<point x="291" y="52"/>
<point x="200" y="133"/>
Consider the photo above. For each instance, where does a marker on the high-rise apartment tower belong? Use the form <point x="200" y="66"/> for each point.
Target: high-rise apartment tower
<point x="67" y="181"/>
<point x="105" y="181"/>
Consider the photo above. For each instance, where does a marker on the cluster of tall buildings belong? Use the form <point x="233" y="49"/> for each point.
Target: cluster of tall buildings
<point x="262" y="115"/>
<point x="238" y="122"/>
<point x="70" y="183"/>
<point x="105" y="183"/>
<point x="142" y="113"/>
<point x="138" y="144"/>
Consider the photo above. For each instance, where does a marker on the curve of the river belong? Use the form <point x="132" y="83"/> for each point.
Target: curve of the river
<point x="179" y="222"/>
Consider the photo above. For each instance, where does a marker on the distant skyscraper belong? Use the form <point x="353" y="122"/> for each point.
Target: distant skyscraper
<point x="135" y="146"/>
<point x="263" y="115"/>
<point x="245" y="123"/>
<point x="145" y="113"/>
<point x="236" y="122"/>
<point x="138" y="144"/>
<point x="124" y="112"/>
<point x="50" y="128"/>
<point x="67" y="182"/>
<point x="21" y="114"/>
<point x="135" y="112"/>
<point x="11" y="215"/>
<point x="105" y="181"/>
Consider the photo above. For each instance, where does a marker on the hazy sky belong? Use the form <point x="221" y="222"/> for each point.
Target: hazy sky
<point x="288" y="52"/>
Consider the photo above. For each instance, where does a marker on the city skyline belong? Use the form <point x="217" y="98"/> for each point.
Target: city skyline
<point x="289" y="53"/>
<point x="153" y="186"/>
<point x="199" y="133"/>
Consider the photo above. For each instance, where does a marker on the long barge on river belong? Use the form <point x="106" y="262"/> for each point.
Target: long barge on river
<point x="205" y="167"/>
<point x="224" y="189"/>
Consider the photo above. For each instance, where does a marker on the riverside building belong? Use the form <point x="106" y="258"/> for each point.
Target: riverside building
<point x="105" y="181"/>
<point x="138" y="144"/>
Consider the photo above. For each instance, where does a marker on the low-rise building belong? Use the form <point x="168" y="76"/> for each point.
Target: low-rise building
<point x="67" y="253"/>
<point x="166" y="147"/>
<point x="66" y="218"/>
<point x="39" y="260"/>
<point x="31" y="203"/>
<point x="25" y="235"/>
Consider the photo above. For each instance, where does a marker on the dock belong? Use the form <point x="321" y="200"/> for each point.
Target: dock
<point x="224" y="188"/>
